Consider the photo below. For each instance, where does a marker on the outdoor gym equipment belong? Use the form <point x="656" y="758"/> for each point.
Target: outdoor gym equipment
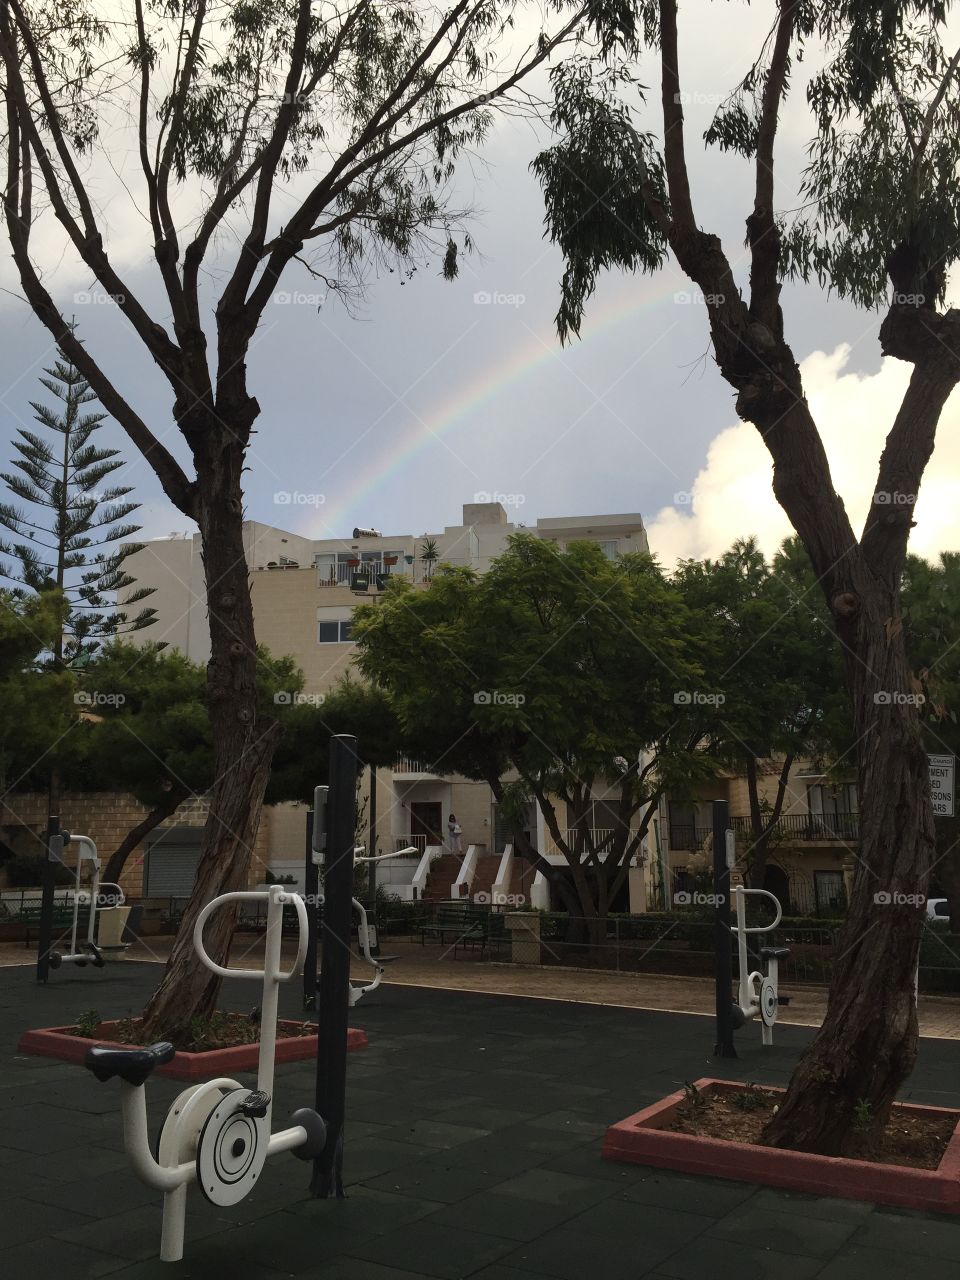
<point x="216" y="1133"/>
<point x="758" y="993"/>
<point x="83" y="951"/>
<point x="366" y="932"/>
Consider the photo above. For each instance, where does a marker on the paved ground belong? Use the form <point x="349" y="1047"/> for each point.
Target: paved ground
<point x="434" y="966"/>
<point x="472" y="1150"/>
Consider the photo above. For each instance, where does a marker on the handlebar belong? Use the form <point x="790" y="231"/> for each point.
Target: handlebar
<point x="761" y="928"/>
<point x="271" y="895"/>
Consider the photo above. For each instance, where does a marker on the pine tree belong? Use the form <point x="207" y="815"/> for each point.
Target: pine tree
<point x="75" y="536"/>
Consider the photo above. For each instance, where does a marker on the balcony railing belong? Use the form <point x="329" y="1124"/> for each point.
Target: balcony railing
<point x="410" y="764"/>
<point x="791" y="826"/>
<point x="404" y="842"/>
<point x="600" y="838"/>
<point x="414" y="569"/>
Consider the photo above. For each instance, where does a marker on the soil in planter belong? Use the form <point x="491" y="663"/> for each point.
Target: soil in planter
<point x="740" y="1115"/>
<point x="220" y="1031"/>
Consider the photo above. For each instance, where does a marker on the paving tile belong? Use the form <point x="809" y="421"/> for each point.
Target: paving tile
<point x="136" y="1234"/>
<point x="923" y="1235"/>
<point x="570" y="1255"/>
<point x="25" y="1220"/>
<point x="436" y="1179"/>
<point x="433" y="1249"/>
<point x="509" y="1216"/>
<point x="784" y="1232"/>
<point x="546" y="1186"/>
<point x="859" y="1263"/>
<point x="624" y="1219"/>
<point x="807" y="1206"/>
<point x="46" y="1257"/>
<point x="725" y="1260"/>
<point x="435" y="1133"/>
<point x="715" y="1197"/>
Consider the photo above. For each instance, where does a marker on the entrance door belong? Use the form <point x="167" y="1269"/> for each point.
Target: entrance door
<point x="777" y="882"/>
<point x="426" y="820"/>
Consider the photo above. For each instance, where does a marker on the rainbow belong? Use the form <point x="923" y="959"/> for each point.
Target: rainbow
<point x="482" y="391"/>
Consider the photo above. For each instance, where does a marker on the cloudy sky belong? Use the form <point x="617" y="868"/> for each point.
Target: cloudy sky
<point x="434" y="392"/>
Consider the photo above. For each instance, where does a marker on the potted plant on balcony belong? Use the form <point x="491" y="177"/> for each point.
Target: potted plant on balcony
<point x="429" y="554"/>
<point x="390" y="559"/>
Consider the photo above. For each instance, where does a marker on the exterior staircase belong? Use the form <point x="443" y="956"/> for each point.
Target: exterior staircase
<point x="443" y="871"/>
<point x="487" y="867"/>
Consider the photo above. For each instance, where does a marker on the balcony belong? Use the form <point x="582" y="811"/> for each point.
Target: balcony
<point x="805" y="827"/>
<point x="409" y="768"/>
<point x="600" y="838"/>
<point x="408" y="567"/>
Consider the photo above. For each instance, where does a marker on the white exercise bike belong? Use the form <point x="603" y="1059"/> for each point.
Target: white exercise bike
<point x="83" y="951"/>
<point x="216" y="1134"/>
<point x="758" y="993"/>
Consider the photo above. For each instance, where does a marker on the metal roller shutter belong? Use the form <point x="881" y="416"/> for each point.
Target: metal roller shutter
<point x="172" y="860"/>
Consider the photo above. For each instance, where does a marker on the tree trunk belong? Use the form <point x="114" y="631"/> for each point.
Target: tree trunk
<point x="244" y="744"/>
<point x="867" y="1045"/>
<point x="118" y="859"/>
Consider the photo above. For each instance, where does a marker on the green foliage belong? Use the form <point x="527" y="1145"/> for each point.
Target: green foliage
<point x="592" y="181"/>
<point x="36" y="706"/>
<point x="863" y="1116"/>
<point x="88" y="1023"/>
<point x="74" y="535"/>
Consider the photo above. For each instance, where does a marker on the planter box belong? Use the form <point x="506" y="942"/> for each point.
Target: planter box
<point x="56" y="1042"/>
<point x="643" y="1139"/>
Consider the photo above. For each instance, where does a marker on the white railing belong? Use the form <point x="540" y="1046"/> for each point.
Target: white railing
<point x="408" y="764"/>
<point x="419" y="881"/>
<point x="598" y="835"/>
<point x="404" y="842"/>
<point x="468" y="869"/>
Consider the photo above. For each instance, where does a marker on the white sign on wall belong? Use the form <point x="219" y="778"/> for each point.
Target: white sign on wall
<point x="943" y="770"/>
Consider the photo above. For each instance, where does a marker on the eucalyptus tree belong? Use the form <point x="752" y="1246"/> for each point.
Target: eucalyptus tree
<point x="271" y="138"/>
<point x="879" y="224"/>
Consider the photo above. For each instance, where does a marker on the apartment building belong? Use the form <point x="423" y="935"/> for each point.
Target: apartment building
<point x="813" y="842"/>
<point x="304" y="592"/>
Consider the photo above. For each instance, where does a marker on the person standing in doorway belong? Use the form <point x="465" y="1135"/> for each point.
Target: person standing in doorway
<point x="456" y="834"/>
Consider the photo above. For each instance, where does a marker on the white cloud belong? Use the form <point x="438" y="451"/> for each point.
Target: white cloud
<point x="732" y="496"/>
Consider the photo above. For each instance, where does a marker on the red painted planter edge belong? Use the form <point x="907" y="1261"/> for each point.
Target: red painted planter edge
<point x="641" y="1139"/>
<point x="56" y="1042"/>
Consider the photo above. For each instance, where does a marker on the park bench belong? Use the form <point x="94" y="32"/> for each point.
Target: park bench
<point x="27" y="913"/>
<point x="466" y="925"/>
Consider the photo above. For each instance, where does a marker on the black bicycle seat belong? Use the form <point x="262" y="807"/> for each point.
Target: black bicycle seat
<point x="131" y="1065"/>
<point x="774" y="953"/>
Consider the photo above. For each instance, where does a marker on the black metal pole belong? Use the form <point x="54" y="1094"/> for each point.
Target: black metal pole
<point x="311" y="890"/>
<point x="372" y="841"/>
<point x="334" y="1001"/>
<point x="316" y="836"/>
<point x="724" y="1047"/>
<point x="48" y="881"/>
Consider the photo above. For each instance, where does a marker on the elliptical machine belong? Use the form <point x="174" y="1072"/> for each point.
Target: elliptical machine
<point x="217" y="1134"/>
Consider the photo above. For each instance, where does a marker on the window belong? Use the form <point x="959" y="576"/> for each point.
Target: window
<point x="609" y="548"/>
<point x="334" y="632"/>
